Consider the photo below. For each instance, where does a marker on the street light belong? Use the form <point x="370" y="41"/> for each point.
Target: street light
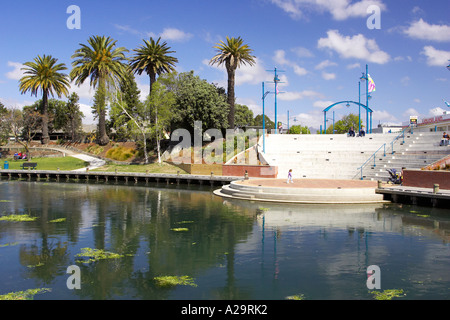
<point x="365" y="77"/>
<point x="276" y="81"/>
<point x="265" y="93"/>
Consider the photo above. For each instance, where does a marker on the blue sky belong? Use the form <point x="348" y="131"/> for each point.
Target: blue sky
<point x="322" y="47"/>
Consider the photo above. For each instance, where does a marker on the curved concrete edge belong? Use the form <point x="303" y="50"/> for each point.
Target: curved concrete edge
<point x="299" y="198"/>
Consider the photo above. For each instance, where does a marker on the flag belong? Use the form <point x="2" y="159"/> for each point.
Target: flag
<point x="371" y="84"/>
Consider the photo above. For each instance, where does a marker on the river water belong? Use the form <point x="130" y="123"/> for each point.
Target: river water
<point x="231" y="249"/>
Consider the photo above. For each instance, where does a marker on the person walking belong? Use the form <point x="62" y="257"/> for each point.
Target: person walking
<point x="289" y="179"/>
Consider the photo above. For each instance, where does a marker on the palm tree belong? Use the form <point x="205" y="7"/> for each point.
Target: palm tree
<point x="44" y="74"/>
<point x="104" y="64"/>
<point x="233" y="54"/>
<point x="153" y="58"/>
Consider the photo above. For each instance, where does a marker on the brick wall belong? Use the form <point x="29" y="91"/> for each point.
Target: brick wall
<point x="426" y="178"/>
<point x="236" y="170"/>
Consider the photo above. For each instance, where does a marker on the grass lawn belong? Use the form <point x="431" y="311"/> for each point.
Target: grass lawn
<point x="142" y="168"/>
<point x="64" y="163"/>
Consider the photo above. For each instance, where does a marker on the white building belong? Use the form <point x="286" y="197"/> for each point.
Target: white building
<point x="433" y="124"/>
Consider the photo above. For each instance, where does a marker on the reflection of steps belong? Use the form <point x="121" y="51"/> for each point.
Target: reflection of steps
<point x="339" y="157"/>
<point x="237" y="190"/>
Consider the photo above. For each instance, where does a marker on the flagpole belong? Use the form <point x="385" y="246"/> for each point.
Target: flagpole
<point x="367" y="100"/>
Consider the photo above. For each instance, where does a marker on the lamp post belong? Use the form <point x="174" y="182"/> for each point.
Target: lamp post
<point x="365" y="77"/>
<point x="265" y="93"/>
<point x="359" y="107"/>
<point x="276" y="81"/>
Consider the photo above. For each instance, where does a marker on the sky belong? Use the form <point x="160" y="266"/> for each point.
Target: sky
<point x="320" y="49"/>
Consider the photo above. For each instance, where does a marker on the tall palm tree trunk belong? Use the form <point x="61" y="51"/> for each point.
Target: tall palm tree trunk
<point x="231" y="77"/>
<point x="45" y="137"/>
<point x="103" y="138"/>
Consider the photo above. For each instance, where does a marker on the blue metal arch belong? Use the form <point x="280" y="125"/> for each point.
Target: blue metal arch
<point x="357" y="103"/>
<point x="368" y="110"/>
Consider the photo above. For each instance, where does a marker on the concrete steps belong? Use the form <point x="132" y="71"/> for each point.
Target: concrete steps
<point x="339" y="157"/>
<point x="237" y="190"/>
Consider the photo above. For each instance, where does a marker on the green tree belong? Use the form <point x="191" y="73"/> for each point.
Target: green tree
<point x="161" y="103"/>
<point x="299" y="129"/>
<point x="153" y="58"/>
<point x="269" y="124"/>
<point x="243" y="116"/>
<point x="343" y="125"/>
<point x="232" y="54"/>
<point x="44" y="74"/>
<point x="119" y="119"/>
<point x="74" y="117"/>
<point x="4" y="125"/>
<point x="197" y="100"/>
<point x="104" y="64"/>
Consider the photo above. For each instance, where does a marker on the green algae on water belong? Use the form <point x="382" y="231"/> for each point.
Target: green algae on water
<point x="18" y="218"/>
<point x="388" y="294"/>
<point x="96" y="255"/>
<point x="179" y="229"/>
<point x="24" y="295"/>
<point x="170" y="281"/>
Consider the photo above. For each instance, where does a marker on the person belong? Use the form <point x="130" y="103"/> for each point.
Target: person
<point x="351" y="132"/>
<point x="362" y="133"/>
<point x="289" y="179"/>
<point x="16" y="156"/>
<point x="444" y="140"/>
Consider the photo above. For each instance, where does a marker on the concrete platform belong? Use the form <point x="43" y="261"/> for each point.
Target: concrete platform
<point x="307" y="191"/>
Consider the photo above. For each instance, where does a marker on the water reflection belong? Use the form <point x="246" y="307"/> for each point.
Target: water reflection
<point x="233" y="249"/>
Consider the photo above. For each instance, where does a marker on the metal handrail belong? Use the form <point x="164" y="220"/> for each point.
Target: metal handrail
<point x="401" y="134"/>
<point x="374" y="159"/>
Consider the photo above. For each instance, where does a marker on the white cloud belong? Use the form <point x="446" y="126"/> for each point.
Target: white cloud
<point x="328" y="76"/>
<point x="357" y="46"/>
<point x="17" y="73"/>
<point x="171" y="34"/>
<point x="84" y="91"/>
<point x="425" y="31"/>
<point x="437" y="111"/>
<point x="302" y="52"/>
<point x="354" y="65"/>
<point x="325" y="64"/>
<point x="252" y="74"/>
<point x="436" y="57"/>
<point x="383" y="115"/>
<point x="339" y="9"/>
<point x="175" y="35"/>
<point x="280" y="58"/>
<point x="299" y="70"/>
<point x="88" y="115"/>
<point x="312" y="119"/>
<point x="296" y="95"/>
<point x="405" y="81"/>
<point x="410" y="112"/>
<point x="323" y="104"/>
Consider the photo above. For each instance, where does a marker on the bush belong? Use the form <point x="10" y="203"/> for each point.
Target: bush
<point x="120" y="153"/>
